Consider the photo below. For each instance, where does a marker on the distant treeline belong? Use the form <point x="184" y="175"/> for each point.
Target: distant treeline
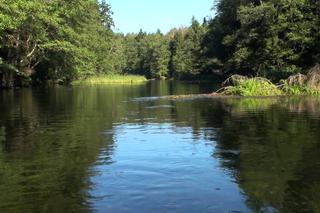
<point x="60" y="41"/>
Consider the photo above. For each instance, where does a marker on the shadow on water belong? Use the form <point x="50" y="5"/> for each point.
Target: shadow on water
<point x="95" y="149"/>
<point x="276" y="162"/>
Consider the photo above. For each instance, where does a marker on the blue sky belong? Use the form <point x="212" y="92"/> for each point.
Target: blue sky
<point x="149" y="15"/>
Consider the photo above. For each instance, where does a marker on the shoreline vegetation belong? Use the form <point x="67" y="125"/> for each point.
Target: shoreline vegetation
<point x="62" y="41"/>
<point x="298" y="84"/>
<point x="111" y="79"/>
<point x="242" y="86"/>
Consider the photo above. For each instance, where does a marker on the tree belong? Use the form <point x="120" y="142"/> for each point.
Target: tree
<point x="53" y="39"/>
<point x="23" y="37"/>
<point x="159" y="56"/>
<point x="275" y="38"/>
<point x="186" y="50"/>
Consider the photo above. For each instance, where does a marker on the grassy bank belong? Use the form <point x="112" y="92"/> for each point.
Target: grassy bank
<point x="263" y="87"/>
<point x="111" y="79"/>
<point x="253" y="87"/>
<point x="299" y="84"/>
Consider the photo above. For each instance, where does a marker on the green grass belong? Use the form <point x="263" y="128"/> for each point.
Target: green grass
<point x="253" y="87"/>
<point x="263" y="87"/>
<point x="301" y="90"/>
<point x="111" y="79"/>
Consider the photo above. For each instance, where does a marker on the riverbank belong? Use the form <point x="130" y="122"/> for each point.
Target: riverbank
<point x="243" y="86"/>
<point x="111" y="79"/>
<point x="299" y="84"/>
<point x="262" y="87"/>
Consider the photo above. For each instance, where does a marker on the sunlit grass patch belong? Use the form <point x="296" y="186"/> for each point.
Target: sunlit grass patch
<point x="300" y="90"/>
<point x="112" y="79"/>
<point x="253" y="87"/>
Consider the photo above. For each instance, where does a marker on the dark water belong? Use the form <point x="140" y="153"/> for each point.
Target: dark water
<point x="104" y="149"/>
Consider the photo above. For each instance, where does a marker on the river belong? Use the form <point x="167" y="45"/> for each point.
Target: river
<point x="117" y="148"/>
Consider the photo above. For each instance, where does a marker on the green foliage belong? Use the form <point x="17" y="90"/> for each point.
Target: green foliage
<point x="147" y="54"/>
<point x="62" y="41"/>
<point x="158" y="56"/>
<point x="299" y="89"/>
<point x="186" y="50"/>
<point x="176" y="54"/>
<point x="273" y="38"/>
<point x="253" y="87"/>
<point x="106" y="79"/>
<point x="294" y="85"/>
<point x="55" y="39"/>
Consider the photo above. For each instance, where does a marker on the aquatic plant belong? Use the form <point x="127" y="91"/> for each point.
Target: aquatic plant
<point x="106" y="79"/>
<point x="300" y="84"/>
<point x="252" y="87"/>
<point x="297" y="84"/>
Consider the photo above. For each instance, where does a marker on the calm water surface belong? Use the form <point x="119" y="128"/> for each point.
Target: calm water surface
<point x="112" y="148"/>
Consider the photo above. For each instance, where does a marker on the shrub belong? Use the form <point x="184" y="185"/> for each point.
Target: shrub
<point x="253" y="87"/>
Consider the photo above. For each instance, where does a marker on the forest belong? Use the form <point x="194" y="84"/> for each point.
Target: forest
<point x="61" y="41"/>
